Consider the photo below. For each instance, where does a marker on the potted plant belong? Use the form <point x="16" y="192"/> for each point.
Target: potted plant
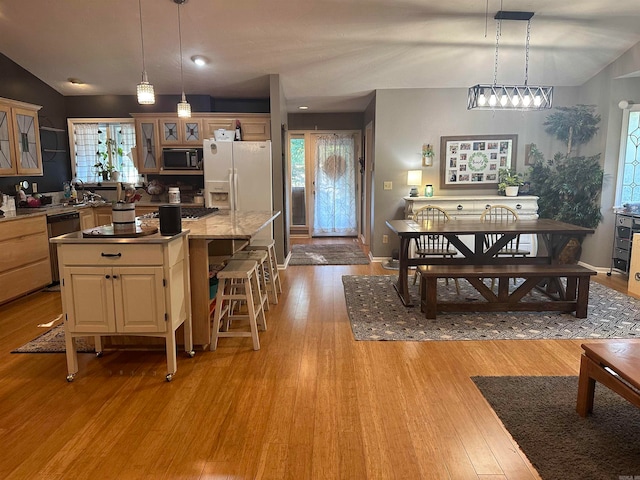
<point x="569" y="185"/>
<point x="509" y="182"/>
<point x="106" y="165"/>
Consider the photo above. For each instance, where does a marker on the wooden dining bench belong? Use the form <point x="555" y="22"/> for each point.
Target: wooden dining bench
<point x="616" y="365"/>
<point x="575" y="298"/>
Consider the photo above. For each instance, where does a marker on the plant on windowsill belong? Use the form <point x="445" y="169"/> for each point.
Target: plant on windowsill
<point x="509" y="182"/>
<point x="569" y="186"/>
<point x="105" y="166"/>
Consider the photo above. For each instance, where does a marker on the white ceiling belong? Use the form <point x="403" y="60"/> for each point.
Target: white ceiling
<point x="330" y="54"/>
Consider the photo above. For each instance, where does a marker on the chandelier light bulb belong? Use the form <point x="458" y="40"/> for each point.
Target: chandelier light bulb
<point x="537" y="100"/>
<point x="526" y="101"/>
<point x="493" y="100"/>
<point x="482" y="100"/>
<point x="504" y="99"/>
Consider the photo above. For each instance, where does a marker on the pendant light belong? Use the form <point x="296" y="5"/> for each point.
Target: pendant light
<point x="510" y="97"/>
<point x="146" y="95"/>
<point x="184" y="109"/>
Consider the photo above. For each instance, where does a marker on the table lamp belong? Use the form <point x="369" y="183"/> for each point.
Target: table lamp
<point x="414" y="178"/>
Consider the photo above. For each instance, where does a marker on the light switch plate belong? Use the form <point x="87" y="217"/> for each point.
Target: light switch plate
<point x="388" y="186"/>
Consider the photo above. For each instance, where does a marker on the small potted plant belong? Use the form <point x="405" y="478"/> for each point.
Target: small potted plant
<point x="509" y="182"/>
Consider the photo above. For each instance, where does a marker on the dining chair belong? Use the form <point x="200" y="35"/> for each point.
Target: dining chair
<point x="502" y="214"/>
<point x="433" y="245"/>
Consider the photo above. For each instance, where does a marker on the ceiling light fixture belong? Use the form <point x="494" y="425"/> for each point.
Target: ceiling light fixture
<point x="184" y="109"/>
<point x="303" y="107"/>
<point x="145" y="92"/>
<point x="200" y="60"/>
<point x="75" y="81"/>
<point x="510" y="97"/>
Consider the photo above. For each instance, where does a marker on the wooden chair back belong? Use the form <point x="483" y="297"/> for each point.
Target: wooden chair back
<point x="502" y="214"/>
<point x="432" y="244"/>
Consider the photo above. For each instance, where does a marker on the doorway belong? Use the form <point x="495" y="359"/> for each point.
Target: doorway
<point x="325" y="183"/>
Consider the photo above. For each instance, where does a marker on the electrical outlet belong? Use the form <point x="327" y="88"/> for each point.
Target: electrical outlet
<point x="388" y="186"/>
<point x="34" y="187"/>
<point x="385" y="238"/>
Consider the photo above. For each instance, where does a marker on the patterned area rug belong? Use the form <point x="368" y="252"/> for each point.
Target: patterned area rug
<point x="540" y="414"/>
<point x="376" y="313"/>
<point x="329" y="254"/>
<point x="53" y="342"/>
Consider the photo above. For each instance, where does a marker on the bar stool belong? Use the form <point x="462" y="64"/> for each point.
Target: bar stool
<point x="272" y="265"/>
<point x="260" y="257"/>
<point x="238" y="282"/>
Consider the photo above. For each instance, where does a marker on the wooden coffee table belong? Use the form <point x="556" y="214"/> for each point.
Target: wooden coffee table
<point x="616" y="365"/>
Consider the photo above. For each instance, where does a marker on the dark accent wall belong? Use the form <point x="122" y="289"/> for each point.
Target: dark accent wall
<point x="325" y="121"/>
<point x="18" y="84"/>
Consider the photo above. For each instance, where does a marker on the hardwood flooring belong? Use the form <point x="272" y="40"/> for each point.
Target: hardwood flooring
<point x="311" y="403"/>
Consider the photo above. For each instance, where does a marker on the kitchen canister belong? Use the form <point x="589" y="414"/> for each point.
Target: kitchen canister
<point x="174" y="195"/>
<point x="170" y="219"/>
<point x="123" y="216"/>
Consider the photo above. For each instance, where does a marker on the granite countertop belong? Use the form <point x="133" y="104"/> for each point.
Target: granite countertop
<point x="228" y="224"/>
<point x="78" y="238"/>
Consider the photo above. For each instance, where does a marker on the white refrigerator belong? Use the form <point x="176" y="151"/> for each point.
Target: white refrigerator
<point x="237" y="176"/>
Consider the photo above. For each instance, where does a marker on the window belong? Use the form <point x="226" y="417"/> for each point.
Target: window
<point x="298" y="181"/>
<point x="628" y="190"/>
<point x="102" y="146"/>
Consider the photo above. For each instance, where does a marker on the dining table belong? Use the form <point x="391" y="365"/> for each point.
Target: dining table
<point x="553" y="235"/>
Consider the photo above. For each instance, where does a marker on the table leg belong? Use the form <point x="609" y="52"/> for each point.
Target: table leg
<point x="402" y="285"/>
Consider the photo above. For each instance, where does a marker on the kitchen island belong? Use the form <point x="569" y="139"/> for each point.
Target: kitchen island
<point x="124" y="286"/>
<point x="221" y="234"/>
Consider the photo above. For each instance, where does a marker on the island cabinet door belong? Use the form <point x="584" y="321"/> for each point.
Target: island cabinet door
<point x="88" y="298"/>
<point x="139" y="299"/>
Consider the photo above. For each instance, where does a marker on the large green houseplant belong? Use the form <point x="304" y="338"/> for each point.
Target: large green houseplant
<point x="569" y="185"/>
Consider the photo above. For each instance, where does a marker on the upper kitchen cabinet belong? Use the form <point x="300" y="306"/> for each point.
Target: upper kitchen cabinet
<point x="147" y="147"/>
<point x="180" y="131"/>
<point x="20" y="152"/>
<point x="253" y="127"/>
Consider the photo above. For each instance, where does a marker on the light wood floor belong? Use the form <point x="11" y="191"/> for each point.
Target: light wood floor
<point x="312" y="403"/>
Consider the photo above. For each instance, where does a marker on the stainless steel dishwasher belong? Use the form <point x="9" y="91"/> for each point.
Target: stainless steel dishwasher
<point x="59" y="224"/>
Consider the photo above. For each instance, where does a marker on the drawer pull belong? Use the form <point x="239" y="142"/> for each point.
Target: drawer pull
<point x="487" y="206"/>
<point x="637" y="276"/>
<point x="518" y="206"/>
<point x="111" y="254"/>
<point x="459" y="207"/>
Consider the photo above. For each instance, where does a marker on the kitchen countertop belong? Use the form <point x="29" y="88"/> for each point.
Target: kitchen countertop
<point x="221" y="225"/>
<point x="24" y="212"/>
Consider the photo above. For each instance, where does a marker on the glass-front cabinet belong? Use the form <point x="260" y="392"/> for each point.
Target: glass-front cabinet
<point x="20" y="152"/>
<point x="147" y="146"/>
<point x="180" y="131"/>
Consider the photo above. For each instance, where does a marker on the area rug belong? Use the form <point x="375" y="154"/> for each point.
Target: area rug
<point x="328" y="254"/>
<point x="540" y="414"/>
<point x="53" y="342"/>
<point x="376" y="313"/>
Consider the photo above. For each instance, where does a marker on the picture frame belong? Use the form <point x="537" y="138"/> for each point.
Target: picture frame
<point x="473" y="161"/>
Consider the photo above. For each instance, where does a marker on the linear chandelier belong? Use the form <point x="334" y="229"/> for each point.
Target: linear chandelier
<point x="510" y="97"/>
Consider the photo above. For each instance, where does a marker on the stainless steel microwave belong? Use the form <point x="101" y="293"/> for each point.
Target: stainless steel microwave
<point x="182" y="158"/>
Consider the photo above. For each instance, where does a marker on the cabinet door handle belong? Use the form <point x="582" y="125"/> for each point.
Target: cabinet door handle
<point x="459" y="207"/>
<point x="115" y="276"/>
<point x="107" y="276"/>
<point x="637" y="275"/>
<point x="518" y="206"/>
<point x="111" y="254"/>
<point x="487" y="206"/>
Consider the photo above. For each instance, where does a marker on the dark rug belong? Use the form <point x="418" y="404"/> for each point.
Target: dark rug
<point x="376" y="313"/>
<point x="540" y="414"/>
<point x="53" y="342"/>
<point x="329" y="254"/>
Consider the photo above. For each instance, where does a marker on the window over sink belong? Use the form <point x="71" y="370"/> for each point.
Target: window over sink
<point x="101" y="146"/>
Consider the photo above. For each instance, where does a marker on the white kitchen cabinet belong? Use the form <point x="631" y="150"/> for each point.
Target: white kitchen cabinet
<point x="137" y="286"/>
<point x="472" y="206"/>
